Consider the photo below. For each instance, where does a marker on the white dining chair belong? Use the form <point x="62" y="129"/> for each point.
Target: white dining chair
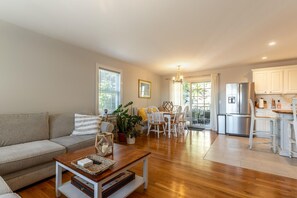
<point x="183" y="118"/>
<point x="152" y="109"/>
<point x="293" y="130"/>
<point x="176" y="108"/>
<point x="155" y="122"/>
<point x="262" y="134"/>
<point x="174" y="122"/>
<point x="148" y="110"/>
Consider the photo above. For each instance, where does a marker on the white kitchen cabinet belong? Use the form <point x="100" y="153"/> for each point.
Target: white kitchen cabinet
<point x="276" y="80"/>
<point x="290" y="80"/>
<point x="268" y="81"/>
<point x="260" y="80"/>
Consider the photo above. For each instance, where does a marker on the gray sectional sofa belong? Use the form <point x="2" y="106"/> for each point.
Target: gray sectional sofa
<point x="28" y="143"/>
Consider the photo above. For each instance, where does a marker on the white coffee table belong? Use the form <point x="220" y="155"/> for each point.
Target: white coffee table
<point x="125" y="157"/>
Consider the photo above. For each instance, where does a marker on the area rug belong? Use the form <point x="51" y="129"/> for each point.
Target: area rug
<point x="196" y="129"/>
<point x="234" y="151"/>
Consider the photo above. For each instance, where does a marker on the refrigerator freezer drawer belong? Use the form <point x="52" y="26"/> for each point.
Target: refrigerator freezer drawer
<point x="238" y="125"/>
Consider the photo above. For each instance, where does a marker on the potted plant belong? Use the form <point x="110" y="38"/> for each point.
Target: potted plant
<point x="126" y="122"/>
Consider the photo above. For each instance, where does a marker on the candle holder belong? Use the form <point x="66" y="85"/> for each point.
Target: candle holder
<point x="104" y="144"/>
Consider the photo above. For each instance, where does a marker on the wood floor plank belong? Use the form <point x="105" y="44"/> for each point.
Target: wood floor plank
<point x="177" y="169"/>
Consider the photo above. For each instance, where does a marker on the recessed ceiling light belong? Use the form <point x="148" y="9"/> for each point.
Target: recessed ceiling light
<point x="264" y="57"/>
<point x="272" y="43"/>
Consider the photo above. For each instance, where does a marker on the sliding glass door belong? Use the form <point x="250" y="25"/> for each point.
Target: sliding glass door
<point x="198" y="96"/>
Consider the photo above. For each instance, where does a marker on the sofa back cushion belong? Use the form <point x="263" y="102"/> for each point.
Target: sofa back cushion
<point x="21" y="128"/>
<point x="61" y="125"/>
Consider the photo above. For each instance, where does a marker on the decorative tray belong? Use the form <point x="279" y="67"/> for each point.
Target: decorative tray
<point x="100" y="164"/>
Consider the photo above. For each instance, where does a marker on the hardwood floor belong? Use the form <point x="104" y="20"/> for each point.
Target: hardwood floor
<point x="177" y="169"/>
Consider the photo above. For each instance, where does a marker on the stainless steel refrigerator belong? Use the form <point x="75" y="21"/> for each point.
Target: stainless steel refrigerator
<point x="238" y="113"/>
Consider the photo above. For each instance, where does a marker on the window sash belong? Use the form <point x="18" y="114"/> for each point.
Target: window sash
<point x="109" y="90"/>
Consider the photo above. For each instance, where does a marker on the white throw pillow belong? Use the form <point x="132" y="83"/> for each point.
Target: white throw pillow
<point x="86" y="124"/>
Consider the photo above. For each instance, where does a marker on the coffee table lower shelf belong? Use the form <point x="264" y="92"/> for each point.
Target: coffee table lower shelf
<point x="71" y="191"/>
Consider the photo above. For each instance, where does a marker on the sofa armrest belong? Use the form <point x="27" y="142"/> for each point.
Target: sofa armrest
<point x="4" y="188"/>
<point x="10" y="195"/>
<point x="107" y="127"/>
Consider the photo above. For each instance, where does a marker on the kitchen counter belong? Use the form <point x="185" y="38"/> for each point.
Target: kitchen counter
<point x="283" y="119"/>
<point x="282" y="111"/>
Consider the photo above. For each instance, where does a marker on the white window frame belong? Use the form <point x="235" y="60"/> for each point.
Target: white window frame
<point x="113" y="69"/>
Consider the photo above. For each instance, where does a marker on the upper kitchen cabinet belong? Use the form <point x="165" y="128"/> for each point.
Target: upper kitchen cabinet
<point x="290" y="80"/>
<point x="276" y="80"/>
<point x="268" y="81"/>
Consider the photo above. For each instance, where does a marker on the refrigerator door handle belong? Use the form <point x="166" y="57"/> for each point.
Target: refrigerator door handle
<point x="237" y="115"/>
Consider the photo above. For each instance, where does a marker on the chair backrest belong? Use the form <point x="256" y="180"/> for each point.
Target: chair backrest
<point x="177" y="114"/>
<point x="252" y="108"/>
<point x="168" y="106"/>
<point x="180" y="117"/>
<point x="294" y="103"/>
<point x="294" y="106"/>
<point x="155" y="117"/>
<point x="186" y="110"/>
<point x="184" y="114"/>
<point x="177" y="109"/>
<point x="152" y="109"/>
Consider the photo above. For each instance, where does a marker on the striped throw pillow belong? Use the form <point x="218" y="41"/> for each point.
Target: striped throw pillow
<point x="86" y="124"/>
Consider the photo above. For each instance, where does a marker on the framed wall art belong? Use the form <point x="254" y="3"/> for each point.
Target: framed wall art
<point x="144" y="89"/>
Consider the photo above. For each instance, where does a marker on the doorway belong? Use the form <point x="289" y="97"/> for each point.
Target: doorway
<point x="198" y="96"/>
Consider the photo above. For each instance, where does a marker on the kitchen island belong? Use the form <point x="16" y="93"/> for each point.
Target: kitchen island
<point x="283" y="119"/>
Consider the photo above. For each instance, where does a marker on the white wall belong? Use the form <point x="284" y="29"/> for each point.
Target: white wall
<point x="39" y="74"/>
<point x="227" y="75"/>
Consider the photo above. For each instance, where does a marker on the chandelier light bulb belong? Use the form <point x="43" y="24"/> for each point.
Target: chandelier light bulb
<point x="178" y="78"/>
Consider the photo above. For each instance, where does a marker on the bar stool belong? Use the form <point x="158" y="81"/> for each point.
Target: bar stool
<point x="271" y="134"/>
<point x="293" y="130"/>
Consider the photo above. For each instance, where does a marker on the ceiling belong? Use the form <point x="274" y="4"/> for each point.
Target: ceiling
<point x="161" y="34"/>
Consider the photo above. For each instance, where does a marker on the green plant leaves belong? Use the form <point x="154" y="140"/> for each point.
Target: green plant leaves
<point x="126" y="122"/>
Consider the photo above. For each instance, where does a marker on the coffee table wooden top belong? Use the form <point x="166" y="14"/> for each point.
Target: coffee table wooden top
<point x="123" y="155"/>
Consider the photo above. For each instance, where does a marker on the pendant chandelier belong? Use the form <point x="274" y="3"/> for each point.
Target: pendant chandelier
<point x="178" y="78"/>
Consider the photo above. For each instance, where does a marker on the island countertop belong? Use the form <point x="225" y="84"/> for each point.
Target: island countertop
<point x="283" y="111"/>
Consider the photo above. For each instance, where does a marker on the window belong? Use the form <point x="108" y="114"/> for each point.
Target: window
<point x="176" y="95"/>
<point x="108" y="89"/>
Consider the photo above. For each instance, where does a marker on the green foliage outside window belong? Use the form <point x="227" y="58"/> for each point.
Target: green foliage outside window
<point x="109" y="90"/>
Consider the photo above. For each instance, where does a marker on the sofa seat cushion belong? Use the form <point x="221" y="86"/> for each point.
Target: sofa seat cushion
<point x="75" y="142"/>
<point x="22" y="156"/>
